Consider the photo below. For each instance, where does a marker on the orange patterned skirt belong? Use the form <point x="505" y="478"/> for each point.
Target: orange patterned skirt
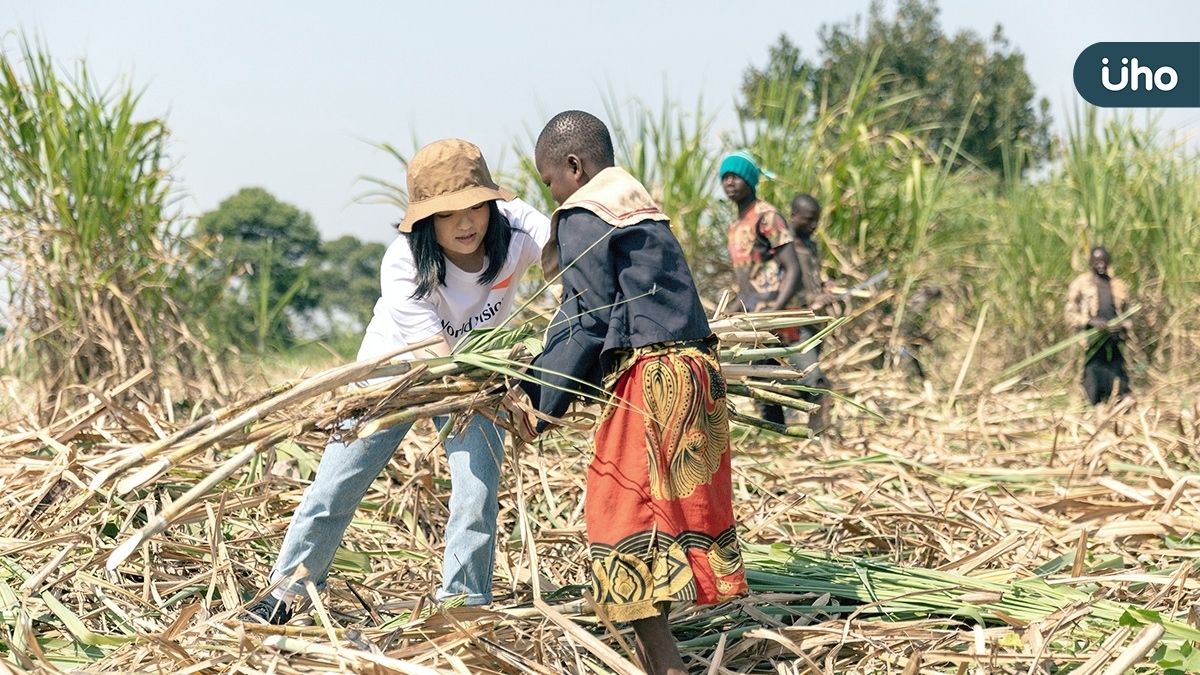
<point x="659" y="505"/>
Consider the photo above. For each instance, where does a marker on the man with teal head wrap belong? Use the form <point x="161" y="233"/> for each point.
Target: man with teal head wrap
<point x="764" y="262"/>
<point x="760" y="246"/>
<point x="742" y="164"/>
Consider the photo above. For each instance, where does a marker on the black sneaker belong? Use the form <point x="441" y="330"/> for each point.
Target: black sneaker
<point x="270" y="610"/>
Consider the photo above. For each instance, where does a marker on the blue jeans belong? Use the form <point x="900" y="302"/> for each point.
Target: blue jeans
<point x="346" y="472"/>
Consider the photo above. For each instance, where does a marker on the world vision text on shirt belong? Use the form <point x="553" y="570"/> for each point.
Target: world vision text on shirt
<point x="489" y="312"/>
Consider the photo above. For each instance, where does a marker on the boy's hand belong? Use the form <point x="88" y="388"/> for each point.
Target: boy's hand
<point x="520" y="411"/>
<point x="1097" y="322"/>
<point x="822" y="300"/>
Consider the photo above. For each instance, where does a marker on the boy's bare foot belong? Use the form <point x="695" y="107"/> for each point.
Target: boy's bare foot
<point x="656" y="646"/>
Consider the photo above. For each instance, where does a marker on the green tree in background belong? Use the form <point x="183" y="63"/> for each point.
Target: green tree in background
<point x="944" y="75"/>
<point x="348" y="279"/>
<point x="265" y="252"/>
<point x="786" y="71"/>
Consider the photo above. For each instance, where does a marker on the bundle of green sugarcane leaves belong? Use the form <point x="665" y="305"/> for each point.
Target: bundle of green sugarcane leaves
<point x="362" y="398"/>
<point x="807" y="603"/>
<point x="876" y="587"/>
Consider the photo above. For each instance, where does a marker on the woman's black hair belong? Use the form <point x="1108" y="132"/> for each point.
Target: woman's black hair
<point x="431" y="261"/>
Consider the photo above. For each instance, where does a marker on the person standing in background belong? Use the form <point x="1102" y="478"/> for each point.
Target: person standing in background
<point x="811" y="294"/>
<point x="1094" y="299"/>
<point x="760" y="248"/>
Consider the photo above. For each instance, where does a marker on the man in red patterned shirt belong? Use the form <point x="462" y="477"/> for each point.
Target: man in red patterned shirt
<point x="760" y="245"/>
<point x="760" y="241"/>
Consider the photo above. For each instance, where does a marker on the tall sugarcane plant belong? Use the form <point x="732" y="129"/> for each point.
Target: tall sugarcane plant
<point x="85" y="230"/>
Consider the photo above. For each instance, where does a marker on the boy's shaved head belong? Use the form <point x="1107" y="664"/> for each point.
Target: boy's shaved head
<point x="805" y="200"/>
<point x="579" y="133"/>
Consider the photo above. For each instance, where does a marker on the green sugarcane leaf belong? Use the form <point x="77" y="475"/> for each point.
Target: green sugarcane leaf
<point x="76" y="627"/>
<point x="345" y="560"/>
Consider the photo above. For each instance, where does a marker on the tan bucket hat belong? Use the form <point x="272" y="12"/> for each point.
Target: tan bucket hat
<point x="448" y="175"/>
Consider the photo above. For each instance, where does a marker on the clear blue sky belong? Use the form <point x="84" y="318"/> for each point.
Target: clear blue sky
<point x="284" y="95"/>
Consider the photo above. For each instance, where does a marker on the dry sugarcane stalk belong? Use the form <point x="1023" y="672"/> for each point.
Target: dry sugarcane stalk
<point x="80" y="418"/>
<point x="761" y="372"/>
<point x="292" y="393"/>
<point x="412" y="396"/>
<point x="759" y="394"/>
<point x="754" y="337"/>
<point x="1146" y="639"/>
<point x="432" y="410"/>
<point x="275" y="430"/>
<point x="1106" y="651"/>
<point x="164" y="519"/>
<point x="787" y="430"/>
<point x="962" y="372"/>
<point x="314" y="386"/>
<point x="282" y="430"/>
<point x="765" y="321"/>
<point x="161" y="465"/>
<point x="357" y="660"/>
<point x="382" y="399"/>
<point x="142" y="453"/>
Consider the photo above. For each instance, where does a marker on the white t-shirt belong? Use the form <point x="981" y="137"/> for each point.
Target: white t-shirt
<point x="462" y="304"/>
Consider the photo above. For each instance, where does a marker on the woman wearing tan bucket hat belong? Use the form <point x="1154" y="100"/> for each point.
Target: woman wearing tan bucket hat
<point x="465" y="244"/>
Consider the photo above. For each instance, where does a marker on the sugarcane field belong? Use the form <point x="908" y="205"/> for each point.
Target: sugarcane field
<point x="880" y="368"/>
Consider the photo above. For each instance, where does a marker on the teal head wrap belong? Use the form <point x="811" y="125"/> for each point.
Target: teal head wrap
<point x="743" y="164"/>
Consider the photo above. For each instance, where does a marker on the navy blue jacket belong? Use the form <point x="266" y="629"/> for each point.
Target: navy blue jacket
<point x="623" y="288"/>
